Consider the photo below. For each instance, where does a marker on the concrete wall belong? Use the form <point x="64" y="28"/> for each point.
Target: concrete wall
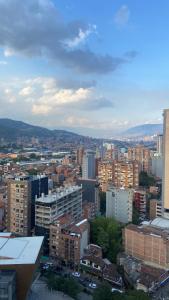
<point x="119" y="204"/>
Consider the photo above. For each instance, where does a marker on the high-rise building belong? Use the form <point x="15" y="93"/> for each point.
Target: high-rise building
<point x="157" y="165"/>
<point x="39" y="186"/>
<point x="119" y="204"/>
<point x="21" y="202"/>
<point x="90" y="192"/>
<point x="48" y="208"/>
<point x="142" y="156"/>
<point x="19" y="206"/>
<point x="165" y="180"/>
<point x="125" y="174"/>
<point x="160" y="144"/>
<point x="79" y="156"/>
<point x="105" y="174"/>
<point x="88" y="166"/>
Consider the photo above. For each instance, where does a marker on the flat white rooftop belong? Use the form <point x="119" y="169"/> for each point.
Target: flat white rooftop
<point x="5" y="234"/>
<point x="60" y="193"/>
<point x="160" y="222"/>
<point x="20" y="250"/>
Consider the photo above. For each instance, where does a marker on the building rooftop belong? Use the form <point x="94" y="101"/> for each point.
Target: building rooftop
<point x="150" y="230"/>
<point x="28" y="177"/>
<point x="20" y="250"/>
<point x="60" y="193"/>
<point x="5" y="234"/>
<point x="160" y="222"/>
<point x="77" y="228"/>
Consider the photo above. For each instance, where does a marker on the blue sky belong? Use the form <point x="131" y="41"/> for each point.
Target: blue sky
<point x="95" y="67"/>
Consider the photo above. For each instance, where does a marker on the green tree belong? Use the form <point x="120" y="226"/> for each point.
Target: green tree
<point x="136" y="295"/>
<point x="146" y="180"/>
<point x="103" y="239"/>
<point x="102" y="202"/>
<point x="103" y="293"/>
<point x="135" y="217"/>
<point x="107" y="233"/>
<point x="71" y="288"/>
<point x="66" y="285"/>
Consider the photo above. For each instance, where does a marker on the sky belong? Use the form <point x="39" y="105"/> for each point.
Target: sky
<point x="93" y="67"/>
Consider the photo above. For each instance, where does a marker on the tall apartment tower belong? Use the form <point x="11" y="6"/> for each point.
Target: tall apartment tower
<point x="79" y="155"/>
<point x="165" y="181"/>
<point x="88" y="167"/>
<point x="160" y="144"/>
<point x="19" y="206"/>
<point x="126" y="174"/>
<point x="105" y="174"/>
<point x="22" y="192"/>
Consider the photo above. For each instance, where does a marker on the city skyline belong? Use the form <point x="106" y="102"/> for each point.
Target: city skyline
<point x="92" y="68"/>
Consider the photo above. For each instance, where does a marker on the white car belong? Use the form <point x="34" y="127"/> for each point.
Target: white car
<point x="116" y="290"/>
<point x="76" y="274"/>
<point x="92" y="285"/>
<point x="45" y="267"/>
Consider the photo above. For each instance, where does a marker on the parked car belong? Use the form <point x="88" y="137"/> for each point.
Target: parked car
<point x="76" y="274"/>
<point x="92" y="285"/>
<point x="116" y="290"/>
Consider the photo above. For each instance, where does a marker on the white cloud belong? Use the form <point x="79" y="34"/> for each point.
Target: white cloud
<point x="44" y="96"/>
<point x="41" y="109"/>
<point x="49" y="96"/>
<point x="76" y="121"/>
<point x="84" y="107"/>
<point x="26" y="91"/>
<point x="122" y="16"/>
<point x="71" y="96"/>
<point x="81" y="37"/>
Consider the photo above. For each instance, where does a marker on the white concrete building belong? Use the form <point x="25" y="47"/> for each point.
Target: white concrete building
<point x="119" y="204"/>
<point x="157" y="165"/>
<point x="160" y="144"/>
<point x="66" y="200"/>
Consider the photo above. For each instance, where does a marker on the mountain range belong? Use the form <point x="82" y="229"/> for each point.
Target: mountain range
<point x="10" y="130"/>
<point x="144" y="130"/>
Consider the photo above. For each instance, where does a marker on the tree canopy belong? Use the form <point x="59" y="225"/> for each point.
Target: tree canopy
<point x="103" y="203"/>
<point x="107" y="233"/>
<point x="135" y="217"/>
<point x="66" y="285"/>
<point x="146" y="180"/>
<point x="104" y="293"/>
